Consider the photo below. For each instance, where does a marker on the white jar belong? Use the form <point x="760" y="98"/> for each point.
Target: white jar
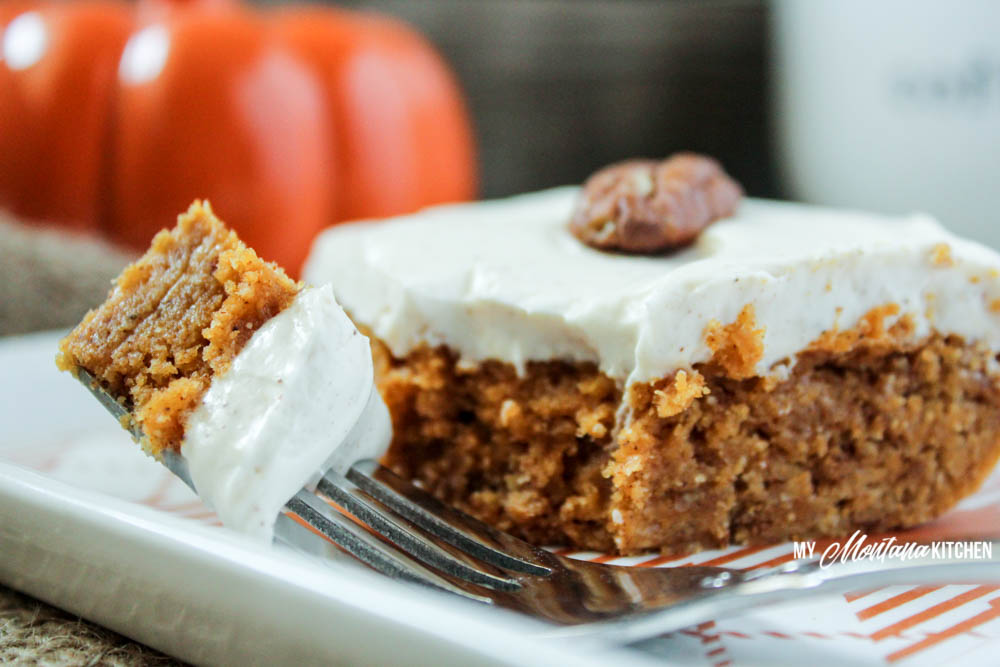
<point x="892" y="105"/>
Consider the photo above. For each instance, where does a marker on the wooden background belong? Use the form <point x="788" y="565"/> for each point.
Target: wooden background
<point x="558" y="88"/>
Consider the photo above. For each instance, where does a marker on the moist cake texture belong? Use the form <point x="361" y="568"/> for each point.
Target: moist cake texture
<point x="875" y="437"/>
<point x="176" y="318"/>
<point x="797" y="372"/>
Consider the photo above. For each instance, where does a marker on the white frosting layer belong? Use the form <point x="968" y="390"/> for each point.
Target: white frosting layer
<point x="506" y="280"/>
<point x="298" y="399"/>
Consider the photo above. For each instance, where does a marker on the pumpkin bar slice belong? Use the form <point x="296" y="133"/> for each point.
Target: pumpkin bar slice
<point x="218" y="356"/>
<point x="792" y="372"/>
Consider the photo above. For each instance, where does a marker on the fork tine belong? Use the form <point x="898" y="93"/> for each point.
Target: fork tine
<point x="451" y="526"/>
<point x="346" y="494"/>
<point x="333" y="525"/>
<point x="117" y="410"/>
<point x="364" y="546"/>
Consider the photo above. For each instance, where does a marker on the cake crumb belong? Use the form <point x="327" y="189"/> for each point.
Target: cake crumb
<point x="737" y="346"/>
<point x="870" y="329"/>
<point x="685" y="389"/>
<point x="930" y="311"/>
<point x="590" y="423"/>
<point x="941" y="255"/>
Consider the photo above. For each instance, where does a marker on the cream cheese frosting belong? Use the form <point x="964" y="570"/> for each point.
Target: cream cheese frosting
<point x="506" y="280"/>
<point x="298" y="399"/>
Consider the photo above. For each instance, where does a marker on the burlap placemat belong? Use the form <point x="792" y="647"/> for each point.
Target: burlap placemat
<point x="48" y="278"/>
<point x="33" y="633"/>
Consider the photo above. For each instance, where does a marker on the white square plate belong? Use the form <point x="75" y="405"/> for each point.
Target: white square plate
<point x="90" y="524"/>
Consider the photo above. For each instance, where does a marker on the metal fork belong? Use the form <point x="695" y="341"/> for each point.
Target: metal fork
<point x="410" y="535"/>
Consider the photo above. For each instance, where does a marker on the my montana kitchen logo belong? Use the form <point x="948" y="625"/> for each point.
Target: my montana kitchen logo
<point x="860" y="547"/>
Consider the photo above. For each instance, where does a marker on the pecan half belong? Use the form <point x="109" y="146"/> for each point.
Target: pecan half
<point x="649" y="205"/>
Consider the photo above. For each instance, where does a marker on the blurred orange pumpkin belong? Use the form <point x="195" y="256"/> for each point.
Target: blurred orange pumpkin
<point x="113" y="117"/>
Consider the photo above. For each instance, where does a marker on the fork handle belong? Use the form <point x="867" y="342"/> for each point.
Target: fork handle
<point x="795" y="581"/>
